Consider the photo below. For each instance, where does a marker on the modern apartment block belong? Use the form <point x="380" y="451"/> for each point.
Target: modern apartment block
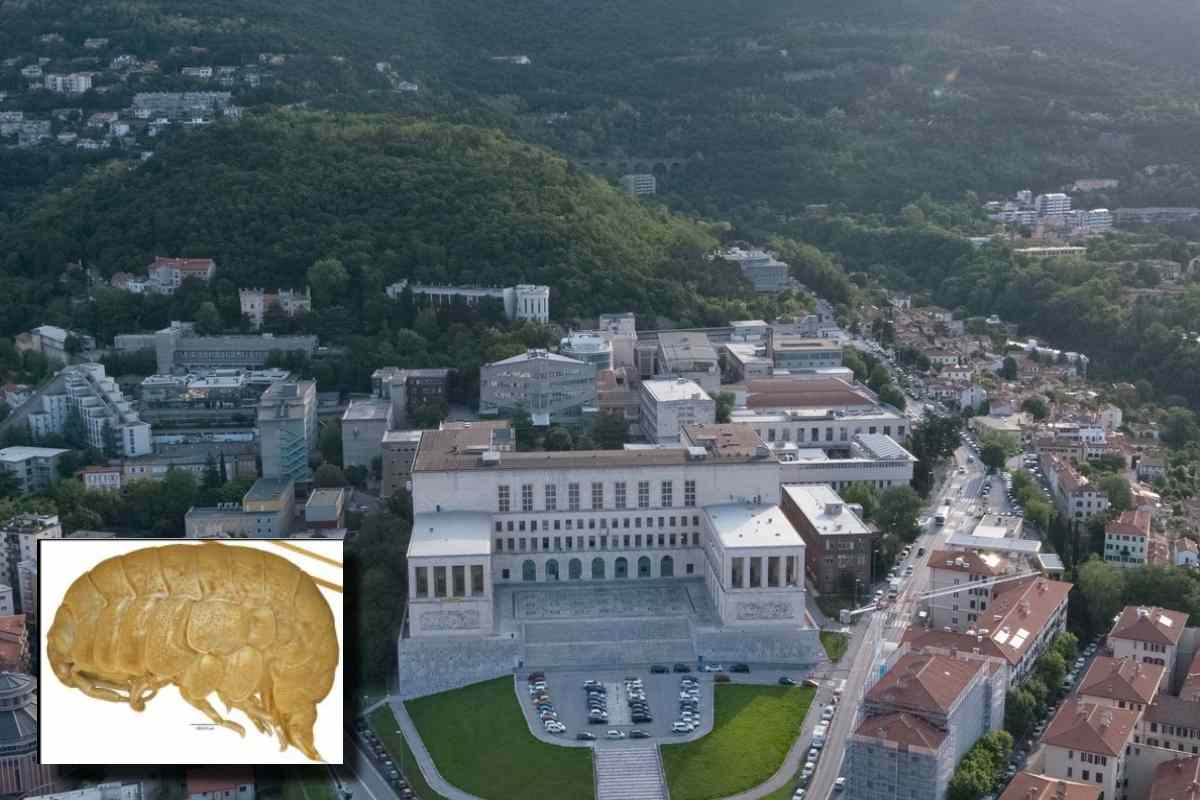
<point x="551" y="388"/>
<point x="523" y="302"/>
<point x="667" y="406"/>
<point x="765" y="272"/>
<point x="291" y="302"/>
<point x="837" y="542"/>
<point x="287" y="429"/>
<point x="918" y="721"/>
<point x="791" y="352"/>
<point x="364" y="424"/>
<point x="20" y="536"/>
<point x="35" y="468"/>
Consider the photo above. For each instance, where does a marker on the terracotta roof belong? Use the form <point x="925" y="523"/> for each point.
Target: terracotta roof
<point x="791" y="393"/>
<point x="1090" y="727"/>
<point x="1145" y="624"/>
<point x="1068" y="476"/>
<point x="1020" y="611"/>
<point x="217" y="779"/>
<point x="14" y="642"/>
<point x="1190" y="690"/>
<point x="901" y="728"/>
<point x="1122" y="679"/>
<point x="1130" y="523"/>
<point x="936" y="640"/>
<point x="184" y="264"/>
<point x="924" y="682"/>
<point x="1170" y="710"/>
<point x="1178" y="779"/>
<point x="1158" y="550"/>
<point x="1027" y="786"/>
<point x="967" y="561"/>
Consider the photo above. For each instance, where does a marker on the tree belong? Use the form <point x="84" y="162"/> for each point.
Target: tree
<point x="971" y="781"/>
<point x="897" y="512"/>
<point x="328" y="279"/>
<point x="879" y="378"/>
<point x="852" y="360"/>
<point x="993" y="456"/>
<point x="912" y="215"/>
<point x="1036" y="408"/>
<point x="1066" y="644"/>
<point x="1052" y="669"/>
<point x="1102" y="586"/>
<point x="1008" y="370"/>
<point x="1020" y="712"/>
<point x="356" y="475"/>
<point x="428" y="416"/>
<point x="329" y="476"/>
<point x="73" y="345"/>
<point x="523" y="430"/>
<point x="609" y="431"/>
<point x="892" y="396"/>
<point x="1180" y="428"/>
<point x="329" y="442"/>
<point x="558" y="438"/>
<point x="75" y="430"/>
<point x="207" y="318"/>
<point x="213" y="477"/>
<point x="1120" y="496"/>
<point x="10" y="485"/>
<point x="112" y="443"/>
<point x="864" y="495"/>
<point x="725" y="401"/>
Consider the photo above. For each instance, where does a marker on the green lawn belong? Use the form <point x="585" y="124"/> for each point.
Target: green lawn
<point x="835" y="644"/>
<point x="754" y="727"/>
<point x="480" y="742"/>
<point x="383" y="722"/>
<point x="296" y="788"/>
<point x="785" y="792"/>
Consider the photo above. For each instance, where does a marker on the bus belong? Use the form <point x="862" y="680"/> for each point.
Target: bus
<point x="942" y="515"/>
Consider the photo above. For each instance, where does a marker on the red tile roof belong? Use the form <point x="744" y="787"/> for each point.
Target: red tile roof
<point x="1158" y="550"/>
<point x="1092" y="728"/>
<point x="932" y="640"/>
<point x="186" y="265"/>
<point x="792" y="393"/>
<point x="901" y="728"/>
<point x="202" y="780"/>
<point x="1022" y="606"/>
<point x="1157" y="625"/>
<point x="14" y="643"/>
<point x="1027" y="786"/>
<point x="1122" y="679"/>
<point x="1178" y="779"/>
<point x="968" y="561"/>
<point x="924" y="682"/>
<point x="1130" y="523"/>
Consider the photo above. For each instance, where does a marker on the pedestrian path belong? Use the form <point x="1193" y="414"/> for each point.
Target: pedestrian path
<point x="424" y="761"/>
<point x="629" y="770"/>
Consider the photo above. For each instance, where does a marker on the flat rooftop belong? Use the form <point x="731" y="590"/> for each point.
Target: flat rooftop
<point x="1000" y="544"/>
<point x="451" y="533"/>
<point x="327" y="496"/>
<point x="265" y="489"/>
<point x="742" y="525"/>
<point x="825" y="510"/>
<point x="13" y="455"/>
<point x="402" y="436"/>
<point x="676" y="390"/>
<point x="725" y="440"/>
<point x="368" y="410"/>
<point x="792" y="341"/>
<point x="883" y="447"/>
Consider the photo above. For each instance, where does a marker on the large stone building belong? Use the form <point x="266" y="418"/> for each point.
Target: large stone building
<point x="524" y="302"/>
<point x="551" y="388"/>
<point x="287" y="430"/>
<point x="364" y="424"/>
<point x="667" y="406"/>
<point x="837" y="542"/>
<point x="1074" y="495"/>
<point x="1127" y="538"/>
<point x="290" y="302"/>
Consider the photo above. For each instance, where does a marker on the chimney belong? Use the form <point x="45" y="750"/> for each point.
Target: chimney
<point x="1106" y="719"/>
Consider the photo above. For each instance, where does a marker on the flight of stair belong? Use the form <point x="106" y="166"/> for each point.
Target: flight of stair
<point x="629" y="770"/>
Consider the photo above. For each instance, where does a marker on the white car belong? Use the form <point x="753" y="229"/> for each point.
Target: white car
<point x="827" y="713"/>
<point x="799" y="795"/>
<point x="839" y="784"/>
<point x="615" y="734"/>
<point x="713" y="668"/>
<point x="555" y="727"/>
<point x="681" y="727"/>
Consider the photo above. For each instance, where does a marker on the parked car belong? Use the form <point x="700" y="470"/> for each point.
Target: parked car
<point x="681" y="727"/>
<point x="638" y="733"/>
<point x="743" y="668"/>
<point x="584" y="736"/>
<point x="786" y="681"/>
<point x="613" y="733"/>
<point x="713" y="668"/>
<point x="659" y="669"/>
<point x="839" y="784"/>
<point x="681" y="667"/>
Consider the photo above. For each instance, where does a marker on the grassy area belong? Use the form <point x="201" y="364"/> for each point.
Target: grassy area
<point x="383" y="722"/>
<point x="831" y="605"/>
<point x="785" y="792"/>
<point x="754" y="727"/>
<point x="480" y="742"/>
<point x="297" y="788"/>
<point x="835" y="644"/>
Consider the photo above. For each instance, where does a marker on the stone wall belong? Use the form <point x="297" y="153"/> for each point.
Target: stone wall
<point x="763" y="645"/>
<point x="428" y="666"/>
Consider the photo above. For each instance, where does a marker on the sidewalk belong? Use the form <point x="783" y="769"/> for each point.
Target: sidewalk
<point x="424" y="760"/>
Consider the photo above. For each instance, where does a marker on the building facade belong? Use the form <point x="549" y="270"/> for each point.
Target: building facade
<point x="363" y="426"/>
<point x="523" y="302"/>
<point x="689" y="355"/>
<point x="399" y="452"/>
<point x="549" y="387"/>
<point x="1150" y="635"/>
<point x="1088" y="742"/>
<point x="1127" y="538"/>
<point x="801" y="352"/>
<point x="291" y="302"/>
<point x="34" y="468"/>
<point x="837" y="542"/>
<point x="20" y="536"/>
<point x="287" y="428"/>
<point x="667" y="406"/>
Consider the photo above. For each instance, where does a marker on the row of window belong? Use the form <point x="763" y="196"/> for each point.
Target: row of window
<point x="1181" y="731"/>
<point x="1086" y="775"/>
<point x="666" y="496"/>
<point x="599" y="571"/>
<point x="457" y="586"/>
<point x="1088" y="758"/>
<point x="534" y="544"/>
<point x="843" y="434"/>
<point x="519" y="525"/>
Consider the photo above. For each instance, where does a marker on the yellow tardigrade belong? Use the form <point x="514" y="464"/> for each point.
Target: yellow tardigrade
<point x="210" y="617"/>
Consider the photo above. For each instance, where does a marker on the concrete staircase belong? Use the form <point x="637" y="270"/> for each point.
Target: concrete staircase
<point x="629" y="770"/>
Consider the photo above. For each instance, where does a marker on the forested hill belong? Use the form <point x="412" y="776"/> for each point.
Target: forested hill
<point x="392" y="198"/>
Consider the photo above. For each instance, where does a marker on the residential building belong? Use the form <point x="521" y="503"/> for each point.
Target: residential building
<point x="399" y="449"/>
<point x="7" y="607"/>
<point x="20" y="536"/>
<point x="176" y="105"/>
<point x="110" y="422"/>
<point x="291" y="302"/>
<point x="1151" y="467"/>
<point x="1122" y="683"/>
<point x="167" y="274"/>
<point x="792" y="352"/>
<point x="287" y="429"/>
<point x="765" y="272"/>
<point x="325" y="509"/>
<point x="1127" y="537"/>
<point x="688" y="354"/>
<point x="51" y="341"/>
<point x="1088" y="742"/>
<point x="102" y="479"/>
<point x="524" y="302"/>
<point x="1110" y="418"/>
<point x="73" y="83"/>
<point x="964" y="610"/>
<point x="35" y="468"/>
<point x="551" y="388"/>
<point x="918" y="721"/>
<point x="837" y="542"/>
<point x="1074" y="495"/>
<point x="264" y="513"/>
<point x="14" y="644"/>
<point x="201" y="73"/>
<point x="639" y="183"/>
<point x="1171" y="724"/>
<point x="363" y="425"/>
<point x="1028" y="786"/>
<point x="873" y="458"/>
<point x="179" y="348"/>
<point x="1150" y="635"/>
<point x="1185" y="552"/>
<point x="1178" y="779"/>
<point x="669" y="405"/>
<point x="220" y="783"/>
<point x="1053" y="203"/>
<point x="589" y="347"/>
<point x="706" y="509"/>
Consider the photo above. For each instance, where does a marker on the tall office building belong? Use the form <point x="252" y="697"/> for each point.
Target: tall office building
<point x="287" y="429"/>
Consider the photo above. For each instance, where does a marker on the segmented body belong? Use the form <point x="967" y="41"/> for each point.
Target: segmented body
<point x="246" y="624"/>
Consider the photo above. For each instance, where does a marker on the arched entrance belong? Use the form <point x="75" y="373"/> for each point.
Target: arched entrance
<point x="529" y="571"/>
<point x="552" y="570"/>
<point x="666" y="567"/>
<point x="574" y="569"/>
<point x="597" y="569"/>
<point x="620" y="568"/>
<point x="644" y="567"/>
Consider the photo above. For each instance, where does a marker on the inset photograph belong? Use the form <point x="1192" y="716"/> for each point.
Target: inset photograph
<point x="172" y="651"/>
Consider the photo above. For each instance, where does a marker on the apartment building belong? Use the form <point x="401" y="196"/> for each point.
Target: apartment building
<point x="1122" y="683"/>
<point x="291" y="302"/>
<point x="1172" y="724"/>
<point x="1052" y="203"/>
<point x="791" y="352"/>
<point x="667" y="406"/>
<point x="364" y="424"/>
<point x="1088" y="742"/>
<point x="765" y="272"/>
<point x="837" y="542"/>
<point x="1127" y="538"/>
<point x="1150" y="635"/>
<point x="706" y="509"/>
<point x="51" y="341"/>
<point x="1028" y="786"/>
<point x="399" y="449"/>
<point x="110" y="422"/>
<point x="689" y="355"/>
<point x="287" y="430"/>
<point x="639" y="183"/>
<point x="551" y="388"/>
<point x="102" y="479"/>
<point x="35" y="468"/>
<point x="1074" y="495"/>
<point x="1178" y="779"/>
<point x="20" y="535"/>
<point x="71" y="83"/>
<point x="918" y="721"/>
<point x="963" y="610"/>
